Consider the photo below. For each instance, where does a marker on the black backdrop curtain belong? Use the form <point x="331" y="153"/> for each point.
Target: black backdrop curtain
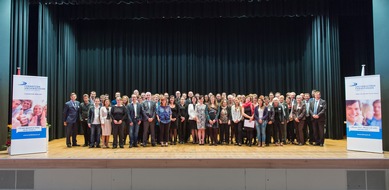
<point x="242" y="55"/>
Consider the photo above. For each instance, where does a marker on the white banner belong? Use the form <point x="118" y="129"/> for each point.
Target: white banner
<point x="29" y="111"/>
<point x="363" y="113"/>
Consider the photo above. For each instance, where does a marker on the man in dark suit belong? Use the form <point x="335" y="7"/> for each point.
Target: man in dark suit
<point x="308" y="130"/>
<point x="70" y="118"/>
<point x="317" y="110"/>
<point x="149" y="111"/>
<point x="135" y="117"/>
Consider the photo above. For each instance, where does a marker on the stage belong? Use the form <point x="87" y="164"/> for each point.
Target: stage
<point x="332" y="155"/>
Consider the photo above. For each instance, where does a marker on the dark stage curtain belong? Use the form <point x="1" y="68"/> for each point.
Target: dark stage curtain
<point x="242" y="55"/>
<point x="19" y="36"/>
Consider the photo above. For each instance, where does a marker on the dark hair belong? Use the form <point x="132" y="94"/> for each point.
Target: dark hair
<point x="351" y="102"/>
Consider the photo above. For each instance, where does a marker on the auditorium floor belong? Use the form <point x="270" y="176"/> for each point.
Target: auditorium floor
<point x="333" y="149"/>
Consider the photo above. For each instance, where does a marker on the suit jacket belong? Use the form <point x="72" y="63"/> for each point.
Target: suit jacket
<point x="91" y="115"/>
<point x="299" y="111"/>
<point x="70" y="112"/>
<point x="307" y="106"/>
<point x="131" y="112"/>
<point x="321" y="109"/>
<point x="265" y="114"/>
<point x="148" y="112"/>
<point x="279" y="110"/>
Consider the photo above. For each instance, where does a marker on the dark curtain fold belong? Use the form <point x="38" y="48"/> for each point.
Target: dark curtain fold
<point x="240" y="54"/>
<point x="56" y="60"/>
<point x="19" y="35"/>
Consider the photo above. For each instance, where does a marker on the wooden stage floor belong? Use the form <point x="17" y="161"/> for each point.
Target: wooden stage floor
<point x="332" y="155"/>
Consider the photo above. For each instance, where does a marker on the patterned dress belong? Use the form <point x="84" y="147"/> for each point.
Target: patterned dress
<point x="200" y="110"/>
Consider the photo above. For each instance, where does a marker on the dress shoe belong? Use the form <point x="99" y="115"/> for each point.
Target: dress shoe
<point x="321" y="145"/>
<point x="76" y="145"/>
<point x="121" y="146"/>
<point x="136" y="145"/>
<point x="153" y="144"/>
<point x="91" y="146"/>
<point x="85" y="145"/>
<point x="114" y="146"/>
<point x="130" y="146"/>
<point x="69" y="146"/>
<point x="98" y="146"/>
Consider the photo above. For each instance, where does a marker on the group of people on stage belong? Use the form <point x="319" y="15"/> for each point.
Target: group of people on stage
<point x="199" y="119"/>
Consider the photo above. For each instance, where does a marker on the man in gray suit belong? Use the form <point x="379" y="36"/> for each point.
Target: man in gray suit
<point x="148" y="111"/>
<point x="70" y="118"/>
<point x="135" y="118"/>
<point x="317" y="110"/>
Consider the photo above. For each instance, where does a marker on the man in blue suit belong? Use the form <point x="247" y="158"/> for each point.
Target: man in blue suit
<point x="317" y="110"/>
<point x="70" y="118"/>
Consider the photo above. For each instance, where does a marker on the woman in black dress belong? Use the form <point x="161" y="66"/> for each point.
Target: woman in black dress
<point x="213" y="118"/>
<point x="183" y="113"/>
<point x="174" y="121"/>
<point x="118" y="115"/>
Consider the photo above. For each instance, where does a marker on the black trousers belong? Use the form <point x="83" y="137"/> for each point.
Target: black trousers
<point x="250" y="134"/>
<point x="71" y="131"/>
<point x="182" y="131"/>
<point x="299" y="131"/>
<point x="238" y="132"/>
<point x="290" y="131"/>
<point x="269" y="133"/>
<point x="213" y="131"/>
<point x="278" y="131"/>
<point x="118" y="129"/>
<point x="146" y="127"/>
<point x="224" y="133"/>
<point x="318" y="130"/>
<point x="126" y="131"/>
<point x="87" y="132"/>
<point x="164" y="132"/>
<point x="308" y="130"/>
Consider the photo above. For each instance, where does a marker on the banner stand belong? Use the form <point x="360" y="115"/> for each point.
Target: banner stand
<point x="29" y="111"/>
<point x="363" y="113"/>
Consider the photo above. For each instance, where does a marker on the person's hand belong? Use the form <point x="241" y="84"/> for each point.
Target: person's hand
<point x="131" y="124"/>
<point x="115" y="122"/>
<point x="34" y="121"/>
<point x="210" y="122"/>
<point x="297" y="120"/>
<point x="102" y="125"/>
<point x="251" y="119"/>
<point x="236" y="121"/>
<point x="220" y="121"/>
<point x="65" y="124"/>
<point x="270" y="122"/>
<point x="229" y="122"/>
<point x="260" y="121"/>
<point x="158" y="120"/>
<point x="182" y="119"/>
<point x="120" y="122"/>
<point x="89" y="125"/>
<point x="282" y="123"/>
<point x="151" y="120"/>
<point x="139" y="122"/>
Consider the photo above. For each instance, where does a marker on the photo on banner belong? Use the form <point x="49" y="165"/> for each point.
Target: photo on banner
<point x="363" y="113"/>
<point x="29" y="115"/>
